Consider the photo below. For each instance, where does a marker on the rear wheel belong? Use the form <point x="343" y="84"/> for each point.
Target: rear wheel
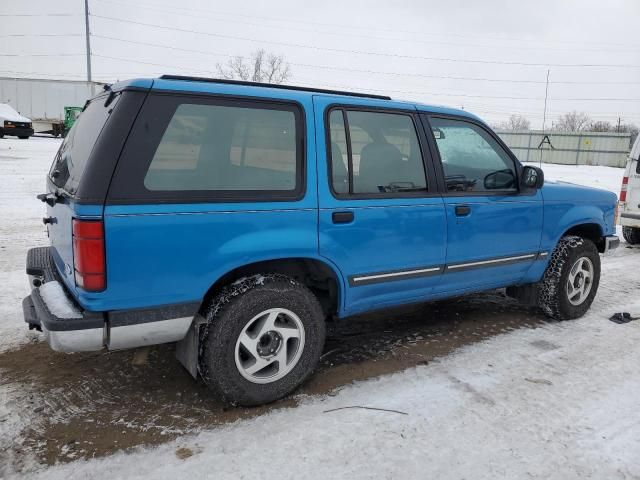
<point x="263" y="338"/>
<point x="631" y="235"/>
<point x="571" y="279"/>
<point x="23" y="137"/>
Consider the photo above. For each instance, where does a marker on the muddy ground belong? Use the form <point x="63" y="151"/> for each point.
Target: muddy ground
<point x="90" y="405"/>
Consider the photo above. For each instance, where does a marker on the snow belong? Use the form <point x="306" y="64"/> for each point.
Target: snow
<point x="57" y="301"/>
<point x="23" y="166"/>
<point x="558" y="402"/>
<point x="608" y="178"/>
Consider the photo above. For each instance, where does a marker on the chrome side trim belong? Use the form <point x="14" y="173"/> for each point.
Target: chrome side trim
<point x="396" y="274"/>
<point x="481" y="263"/>
<point x="355" y="281"/>
<point x="358" y="280"/>
<point x="150" y="333"/>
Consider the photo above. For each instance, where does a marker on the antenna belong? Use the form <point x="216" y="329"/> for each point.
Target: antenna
<point x="544" y="115"/>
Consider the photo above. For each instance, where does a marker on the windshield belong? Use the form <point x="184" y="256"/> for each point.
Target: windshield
<point x="72" y="156"/>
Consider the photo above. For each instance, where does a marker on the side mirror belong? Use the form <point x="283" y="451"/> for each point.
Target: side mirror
<point x="532" y="177"/>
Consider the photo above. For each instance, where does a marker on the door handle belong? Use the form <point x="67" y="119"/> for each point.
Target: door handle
<point x="463" y="210"/>
<point x="342" y="217"/>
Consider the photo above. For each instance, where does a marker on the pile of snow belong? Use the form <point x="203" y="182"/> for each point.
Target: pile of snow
<point x="57" y="302"/>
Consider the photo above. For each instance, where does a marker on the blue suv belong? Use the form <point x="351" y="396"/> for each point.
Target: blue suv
<point x="235" y="218"/>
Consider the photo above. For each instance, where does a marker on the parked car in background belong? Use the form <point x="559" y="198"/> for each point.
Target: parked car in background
<point x="12" y="123"/>
<point x="235" y="218"/>
<point x="629" y="204"/>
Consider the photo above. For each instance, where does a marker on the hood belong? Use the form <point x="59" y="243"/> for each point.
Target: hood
<point x="8" y="113"/>
<point x="565" y="191"/>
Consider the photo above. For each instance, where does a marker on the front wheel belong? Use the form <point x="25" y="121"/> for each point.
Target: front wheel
<point x="631" y="235"/>
<point x="23" y="137"/>
<point x="571" y="279"/>
<point x="263" y="338"/>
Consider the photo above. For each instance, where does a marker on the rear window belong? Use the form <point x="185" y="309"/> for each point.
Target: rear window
<point x="72" y="156"/>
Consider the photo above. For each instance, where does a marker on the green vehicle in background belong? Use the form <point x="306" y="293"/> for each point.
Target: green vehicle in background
<point x="70" y="116"/>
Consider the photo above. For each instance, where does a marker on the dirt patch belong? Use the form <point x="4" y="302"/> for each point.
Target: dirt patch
<point x="89" y="405"/>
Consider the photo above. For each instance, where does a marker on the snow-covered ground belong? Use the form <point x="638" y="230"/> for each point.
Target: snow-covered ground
<point x="559" y="401"/>
<point x="608" y="178"/>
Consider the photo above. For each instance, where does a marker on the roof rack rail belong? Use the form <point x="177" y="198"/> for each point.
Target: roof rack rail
<point x="271" y="85"/>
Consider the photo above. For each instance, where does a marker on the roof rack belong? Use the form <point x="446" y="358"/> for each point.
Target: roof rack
<point x="271" y="85"/>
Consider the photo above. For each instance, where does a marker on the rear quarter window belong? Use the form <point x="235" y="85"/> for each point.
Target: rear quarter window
<point x="71" y="159"/>
<point x="204" y="149"/>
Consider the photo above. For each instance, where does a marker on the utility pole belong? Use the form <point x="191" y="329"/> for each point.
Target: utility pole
<point x="87" y="34"/>
<point x="544" y="115"/>
<point x="618" y="127"/>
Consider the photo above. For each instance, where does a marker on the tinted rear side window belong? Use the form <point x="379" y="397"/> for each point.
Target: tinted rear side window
<point x="187" y="148"/>
<point x="213" y="147"/>
<point x="74" y="152"/>
<point x="375" y="152"/>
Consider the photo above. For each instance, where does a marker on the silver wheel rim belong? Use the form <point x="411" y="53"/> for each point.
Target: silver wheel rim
<point x="269" y="346"/>
<point x="580" y="281"/>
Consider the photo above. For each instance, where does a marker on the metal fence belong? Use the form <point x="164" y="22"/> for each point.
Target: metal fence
<point x="569" y="148"/>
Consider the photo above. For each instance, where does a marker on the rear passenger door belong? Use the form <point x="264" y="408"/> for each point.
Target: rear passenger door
<point x="493" y="229"/>
<point x="381" y="219"/>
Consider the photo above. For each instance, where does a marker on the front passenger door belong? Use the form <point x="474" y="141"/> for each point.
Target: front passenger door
<point x="493" y="230"/>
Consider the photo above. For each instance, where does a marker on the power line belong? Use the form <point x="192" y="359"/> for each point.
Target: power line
<point x="388" y="90"/>
<point x="41" y="35"/>
<point x="365" y="71"/>
<point x="39" y="15"/>
<point x="359" y="52"/>
<point x="40" y="54"/>
<point x="180" y="12"/>
<point x="369" y="28"/>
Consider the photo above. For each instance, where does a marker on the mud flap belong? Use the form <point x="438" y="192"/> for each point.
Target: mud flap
<point x="187" y="348"/>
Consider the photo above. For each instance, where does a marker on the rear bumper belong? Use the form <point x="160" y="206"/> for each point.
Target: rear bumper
<point x="630" y="219"/>
<point x="69" y="328"/>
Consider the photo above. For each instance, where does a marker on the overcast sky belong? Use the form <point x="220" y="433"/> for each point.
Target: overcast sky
<point x="494" y="54"/>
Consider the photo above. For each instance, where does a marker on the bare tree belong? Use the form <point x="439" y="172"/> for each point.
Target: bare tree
<point x="600" y="126"/>
<point x="573" y="122"/>
<point x="260" y="67"/>
<point x="628" y="128"/>
<point x="516" y="122"/>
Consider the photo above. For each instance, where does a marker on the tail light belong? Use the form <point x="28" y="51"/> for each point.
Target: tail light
<point x="623" y="189"/>
<point x="88" y="254"/>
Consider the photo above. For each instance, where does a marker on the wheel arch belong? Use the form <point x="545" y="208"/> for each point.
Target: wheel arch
<point x="589" y="230"/>
<point x="323" y="279"/>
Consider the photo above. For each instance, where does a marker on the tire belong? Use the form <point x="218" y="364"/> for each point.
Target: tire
<point x="556" y="297"/>
<point x="631" y="235"/>
<point x="1" y="134"/>
<point x="23" y="137"/>
<point x="246" y="307"/>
